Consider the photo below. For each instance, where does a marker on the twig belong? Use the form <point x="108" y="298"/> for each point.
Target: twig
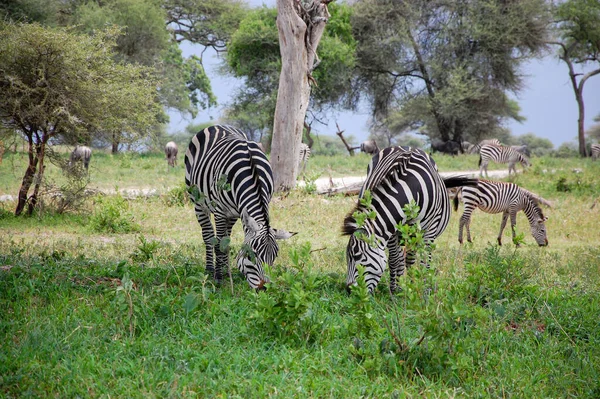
<point x="317" y="250"/>
<point x="559" y="326"/>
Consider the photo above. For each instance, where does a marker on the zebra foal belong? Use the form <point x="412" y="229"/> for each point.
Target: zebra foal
<point x="303" y="155"/>
<point x="500" y="154"/>
<point x="395" y="176"/>
<point x="230" y="177"/>
<point x="508" y="198"/>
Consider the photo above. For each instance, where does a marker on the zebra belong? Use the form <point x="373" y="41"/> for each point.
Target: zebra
<point x="500" y="154"/>
<point x="303" y="155"/>
<point x="370" y="147"/>
<point x="229" y="177"/>
<point x="523" y="149"/>
<point x="171" y="153"/>
<point x="595" y="151"/>
<point x="477" y="147"/>
<point x="395" y="176"/>
<point x="508" y="198"/>
<point x="81" y="153"/>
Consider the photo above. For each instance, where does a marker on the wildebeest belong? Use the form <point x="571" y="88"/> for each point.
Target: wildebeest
<point x="447" y="147"/>
<point x="81" y="153"/>
<point x="369" y="146"/>
<point x="171" y="153"/>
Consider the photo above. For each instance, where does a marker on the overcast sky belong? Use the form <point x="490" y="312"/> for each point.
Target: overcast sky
<point x="547" y="101"/>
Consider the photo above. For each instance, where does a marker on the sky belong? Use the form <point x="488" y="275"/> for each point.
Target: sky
<point x="547" y="101"/>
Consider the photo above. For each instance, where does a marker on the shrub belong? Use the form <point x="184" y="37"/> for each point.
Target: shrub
<point x="111" y="215"/>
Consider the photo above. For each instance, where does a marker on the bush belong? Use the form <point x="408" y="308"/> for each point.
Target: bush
<point x="111" y="215"/>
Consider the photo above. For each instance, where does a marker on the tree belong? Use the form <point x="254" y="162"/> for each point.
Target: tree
<point x="57" y="84"/>
<point x="446" y="66"/>
<point x="254" y="54"/>
<point x="578" y="25"/>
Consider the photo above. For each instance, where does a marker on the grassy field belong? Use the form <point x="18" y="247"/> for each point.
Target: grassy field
<point x="86" y="311"/>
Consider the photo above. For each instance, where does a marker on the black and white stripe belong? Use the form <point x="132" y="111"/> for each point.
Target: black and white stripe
<point x="477" y="147"/>
<point x="595" y="151"/>
<point x="229" y="177"/>
<point x="395" y="176"/>
<point x="303" y="155"/>
<point x="500" y="154"/>
<point x="508" y="198"/>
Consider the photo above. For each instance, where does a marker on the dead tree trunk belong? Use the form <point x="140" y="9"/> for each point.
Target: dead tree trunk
<point x="300" y="25"/>
<point x="340" y="133"/>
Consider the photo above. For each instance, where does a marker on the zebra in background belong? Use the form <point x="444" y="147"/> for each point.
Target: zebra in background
<point x="477" y="147"/>
<point x="508" y="198"/>
<point x="595" y="151"/>
<point x="229" y="177"/>
<point x="81" y="153"/>
<point x="303" y="155"/>
<point x="395" y="176"/>
<point x="500" y="154"/>
<point x="171" y="153"/>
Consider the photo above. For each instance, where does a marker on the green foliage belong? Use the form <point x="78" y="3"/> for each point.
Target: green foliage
<point x="579" y="24"/>
<point x="111" y="215"/>
<point x="145" y="250"/>
<point x="361" y="215"/>
<point x="286" y="309"/>
<point x="361" y="308"/>
<point x="410" y="233"/>
<point x="177" y="196"/>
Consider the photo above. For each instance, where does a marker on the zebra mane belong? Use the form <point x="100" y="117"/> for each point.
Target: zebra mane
<point x="383" y="163"/>
<point x="537" y="199"/>
<point x="349" y="226"/>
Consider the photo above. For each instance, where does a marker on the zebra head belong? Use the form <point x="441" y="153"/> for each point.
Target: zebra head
<point x="259" y="248"/>
<point x="538" y="224"/>
<point x="365" y="249"/>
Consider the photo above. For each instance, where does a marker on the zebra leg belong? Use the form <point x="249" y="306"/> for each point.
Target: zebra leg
<point x="502" y="226"/>
<point x="465" y="221"/>
<point x="513" y="226"/>
<point x="224" y="226"/>
<point x="396" y="262"/>
<point x="208" y="235"/>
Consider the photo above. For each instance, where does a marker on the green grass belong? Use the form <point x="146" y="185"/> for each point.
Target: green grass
<point x="93" y="313"/>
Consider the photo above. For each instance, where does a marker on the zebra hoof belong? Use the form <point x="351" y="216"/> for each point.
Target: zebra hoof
<point x="499" y="242"/>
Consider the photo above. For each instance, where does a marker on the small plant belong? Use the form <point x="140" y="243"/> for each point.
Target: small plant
<point x="310" y="183"/>
<point x="145" y="250"/>
<point x="177" y="196"/>
<point x="111" y="215"/>
<point x="410" y="233"/>
<point x="285" y="310"/>
<point x="124" y="301"/>
<point x="361" y="216"/>
<point x="362" y="307"/>
<point x="562" y="185"/>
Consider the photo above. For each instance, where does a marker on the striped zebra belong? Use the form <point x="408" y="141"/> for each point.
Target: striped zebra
<point x="595" y="151"/>
<point x="303" y="155"/>
<point x="229" y="177"/>
<point x="477" y="147"/>
<point x="500" y="154"/>
<point x="508" y="198"/>
<point x="395" y="176"/>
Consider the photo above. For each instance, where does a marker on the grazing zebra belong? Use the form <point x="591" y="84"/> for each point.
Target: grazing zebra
<point x="171" y="153"/>
<point x="395" y="176"/>
<point x="500" y="154"/>
<point x="523" y="149"/>
<point x="229" y="177"/>
<point x="303" y="155"/>
<point x="370" y="147"/>
<point x="496" y="197"/>
<point x="81" y="153"/>
<point x="477" y="147"/>
<point x="595" y="151"/>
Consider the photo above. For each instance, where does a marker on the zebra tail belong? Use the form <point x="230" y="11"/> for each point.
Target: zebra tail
<point x="460" y="181"/>
<point x="455" y="203"/>
<point x="479" y="160"/>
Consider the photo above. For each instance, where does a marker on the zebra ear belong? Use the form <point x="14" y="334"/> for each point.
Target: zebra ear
<point x="249" y="222"/>
<point x="282" y="234"/>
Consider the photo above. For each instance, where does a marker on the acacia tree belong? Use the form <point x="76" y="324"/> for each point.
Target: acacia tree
<point x="578" y="25"/>
<point x="446" y="66"/>
<point x="56" y="84"/>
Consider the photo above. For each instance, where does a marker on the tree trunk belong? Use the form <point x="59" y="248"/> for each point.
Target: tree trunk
<point x="41" y="152"/>
<point x="27" y="179"/>
<point x="580" y="125"/>
<point x="298" y="42"/>
<point x="115" y="143"/>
